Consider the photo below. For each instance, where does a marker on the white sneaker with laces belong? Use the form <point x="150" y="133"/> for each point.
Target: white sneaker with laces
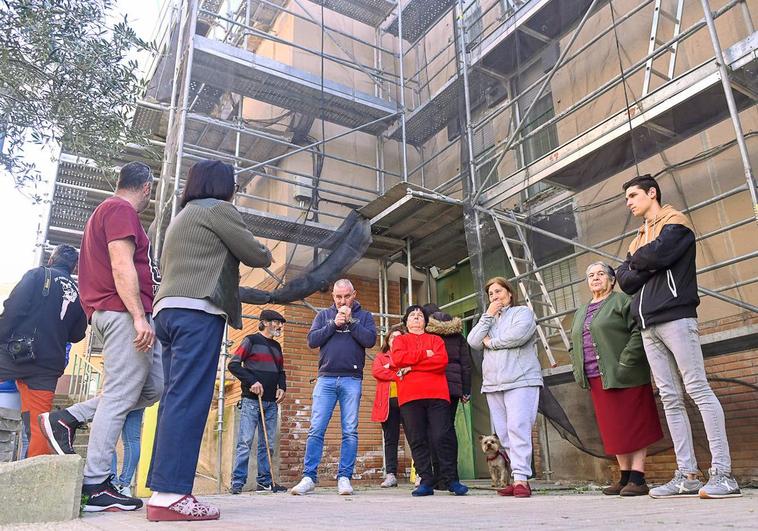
<point x="344" y="488"/>
<point x="389" y="481"/>
<point x="305" y="486"/>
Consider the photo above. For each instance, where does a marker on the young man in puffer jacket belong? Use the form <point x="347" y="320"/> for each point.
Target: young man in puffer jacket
<point x="660" y="273"/>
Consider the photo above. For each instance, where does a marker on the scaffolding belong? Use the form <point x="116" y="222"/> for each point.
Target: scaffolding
<point x="441" y="122"/>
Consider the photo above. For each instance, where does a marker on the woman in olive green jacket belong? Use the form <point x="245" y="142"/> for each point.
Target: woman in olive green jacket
<point x="608" y="357"/>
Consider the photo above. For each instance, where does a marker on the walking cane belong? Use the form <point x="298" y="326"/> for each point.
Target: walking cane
<point x="265" y="437"/>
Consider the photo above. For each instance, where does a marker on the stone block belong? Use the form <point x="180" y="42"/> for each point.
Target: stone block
<point x="46" y="488"/>
<point x="10" y="419"/>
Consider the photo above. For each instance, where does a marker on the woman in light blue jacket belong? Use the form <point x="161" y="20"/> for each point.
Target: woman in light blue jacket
<point x="511" y="377"/>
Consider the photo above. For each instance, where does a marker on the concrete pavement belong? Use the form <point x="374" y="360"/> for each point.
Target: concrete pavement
<point x="482" y="509"/>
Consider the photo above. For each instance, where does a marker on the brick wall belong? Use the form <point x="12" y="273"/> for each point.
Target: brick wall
<point x="301" y="364"/>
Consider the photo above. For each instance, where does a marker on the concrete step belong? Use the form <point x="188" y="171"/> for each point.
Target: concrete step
<point x="62" y="401"/>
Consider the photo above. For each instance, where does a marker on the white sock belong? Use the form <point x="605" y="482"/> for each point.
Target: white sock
<point x="164" y="499"/>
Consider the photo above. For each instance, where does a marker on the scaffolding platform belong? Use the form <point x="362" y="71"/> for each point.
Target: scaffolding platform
<point x="516" y="42"/>
<point x="418" y="17"/>
<point x="283" y="228"/>
<point x="214" y="135"/>
<point x="676" y="111"/>
<point x="370" y="12"/>
<point x="434" y="115"/>
<point x="434" y="227"/>
<point x="79" y="189"/>
<point x="233" y="69"/>
<point x="534" y="25"/>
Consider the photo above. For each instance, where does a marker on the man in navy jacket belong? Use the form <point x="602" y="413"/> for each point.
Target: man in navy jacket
<point x="342" y="333"/>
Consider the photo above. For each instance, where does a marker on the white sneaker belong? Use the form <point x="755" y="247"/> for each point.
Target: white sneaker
<point x="389" y="481"/>
<point x="305" y="486"/>
<point x="344" y="488"/>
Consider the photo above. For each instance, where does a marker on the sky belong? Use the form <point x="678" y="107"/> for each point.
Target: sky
<point x="20" y="218"/>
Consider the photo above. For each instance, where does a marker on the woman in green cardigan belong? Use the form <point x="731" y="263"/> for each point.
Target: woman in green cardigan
<point x="608" y="359"/>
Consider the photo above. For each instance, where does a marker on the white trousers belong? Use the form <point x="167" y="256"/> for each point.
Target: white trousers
<point x="513" y="414"/>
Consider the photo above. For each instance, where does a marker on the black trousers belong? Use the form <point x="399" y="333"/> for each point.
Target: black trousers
<point x="391" y="429"/>
<point x="428" y="421"/>
<point x="439" y="482"/>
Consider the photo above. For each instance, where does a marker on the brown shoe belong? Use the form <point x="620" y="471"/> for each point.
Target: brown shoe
<point x="613" y="490"/>
<point x="632" y="489"/>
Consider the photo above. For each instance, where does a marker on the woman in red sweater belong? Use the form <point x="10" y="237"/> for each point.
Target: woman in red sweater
<point x="386" y="409"/>
<point x="424" y="400"/>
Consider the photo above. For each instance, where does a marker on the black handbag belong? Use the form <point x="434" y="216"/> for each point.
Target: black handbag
<point x="21" y="348"/>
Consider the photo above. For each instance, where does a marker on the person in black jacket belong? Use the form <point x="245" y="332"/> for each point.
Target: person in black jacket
<point x="258" y="363"/>
<point x="458" y="371"/>
<point x="660" y="273"/>
<point x="44" y="307"/>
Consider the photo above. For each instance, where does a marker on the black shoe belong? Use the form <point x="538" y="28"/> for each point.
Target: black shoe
<point x="104" y="497"/>
<point x="59" y="428"/>
<point x="236" y="489"/>
<point x="272" y="487"/>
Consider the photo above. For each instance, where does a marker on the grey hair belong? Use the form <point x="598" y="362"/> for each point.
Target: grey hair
<point x="608" y="269"/>
<point x="344" y="283"/>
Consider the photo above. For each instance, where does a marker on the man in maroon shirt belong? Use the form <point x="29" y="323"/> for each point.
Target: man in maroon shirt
<point x="117" y="281"/>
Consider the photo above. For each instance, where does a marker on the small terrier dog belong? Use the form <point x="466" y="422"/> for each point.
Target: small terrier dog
<point x="498" y="462"/>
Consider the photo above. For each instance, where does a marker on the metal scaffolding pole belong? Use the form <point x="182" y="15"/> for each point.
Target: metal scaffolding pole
<point x="403" y="145"/>
<point x="733" y="112"/>
<point x="409" y="268"/>
<point x="225" y="343"/>
<point x="166" y="164"/>
<point x="466" y="97"/>
<point x="183" y="94"/>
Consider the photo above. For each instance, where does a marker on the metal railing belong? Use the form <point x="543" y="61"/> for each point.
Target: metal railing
<point x="86" y="379"/>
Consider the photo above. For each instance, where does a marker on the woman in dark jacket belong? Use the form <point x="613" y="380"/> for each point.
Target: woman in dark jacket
<point x="608" y="358"/>
<point x="458" y="371"/>
<point x="199" y="294"/>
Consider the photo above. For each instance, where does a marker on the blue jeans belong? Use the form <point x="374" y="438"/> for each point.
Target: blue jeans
<point x="328" y="391"/>
<point x="130" y="436"/>
<point x="191" y="341"/>
<point x="250" y="420"/>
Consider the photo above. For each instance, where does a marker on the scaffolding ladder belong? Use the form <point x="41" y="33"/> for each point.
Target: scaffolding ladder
<point x="528" y="277"/>
<point x="676" y="19"/>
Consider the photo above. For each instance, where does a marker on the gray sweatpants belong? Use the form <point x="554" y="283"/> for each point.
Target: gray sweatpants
<point x="513" y="414"/>
<point x="133" y="380"/>
<point x="675" y="357"/>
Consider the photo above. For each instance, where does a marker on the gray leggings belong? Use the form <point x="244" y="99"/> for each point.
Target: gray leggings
<point x="673" y="351"/>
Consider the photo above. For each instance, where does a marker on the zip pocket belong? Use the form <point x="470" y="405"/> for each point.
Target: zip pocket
<point x="671" y="283"/>
<point x="642" y="317"/>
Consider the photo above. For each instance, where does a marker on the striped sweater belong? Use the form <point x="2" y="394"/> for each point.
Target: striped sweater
<point x="259" y="359"/>
<point x="204" y="246"/>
